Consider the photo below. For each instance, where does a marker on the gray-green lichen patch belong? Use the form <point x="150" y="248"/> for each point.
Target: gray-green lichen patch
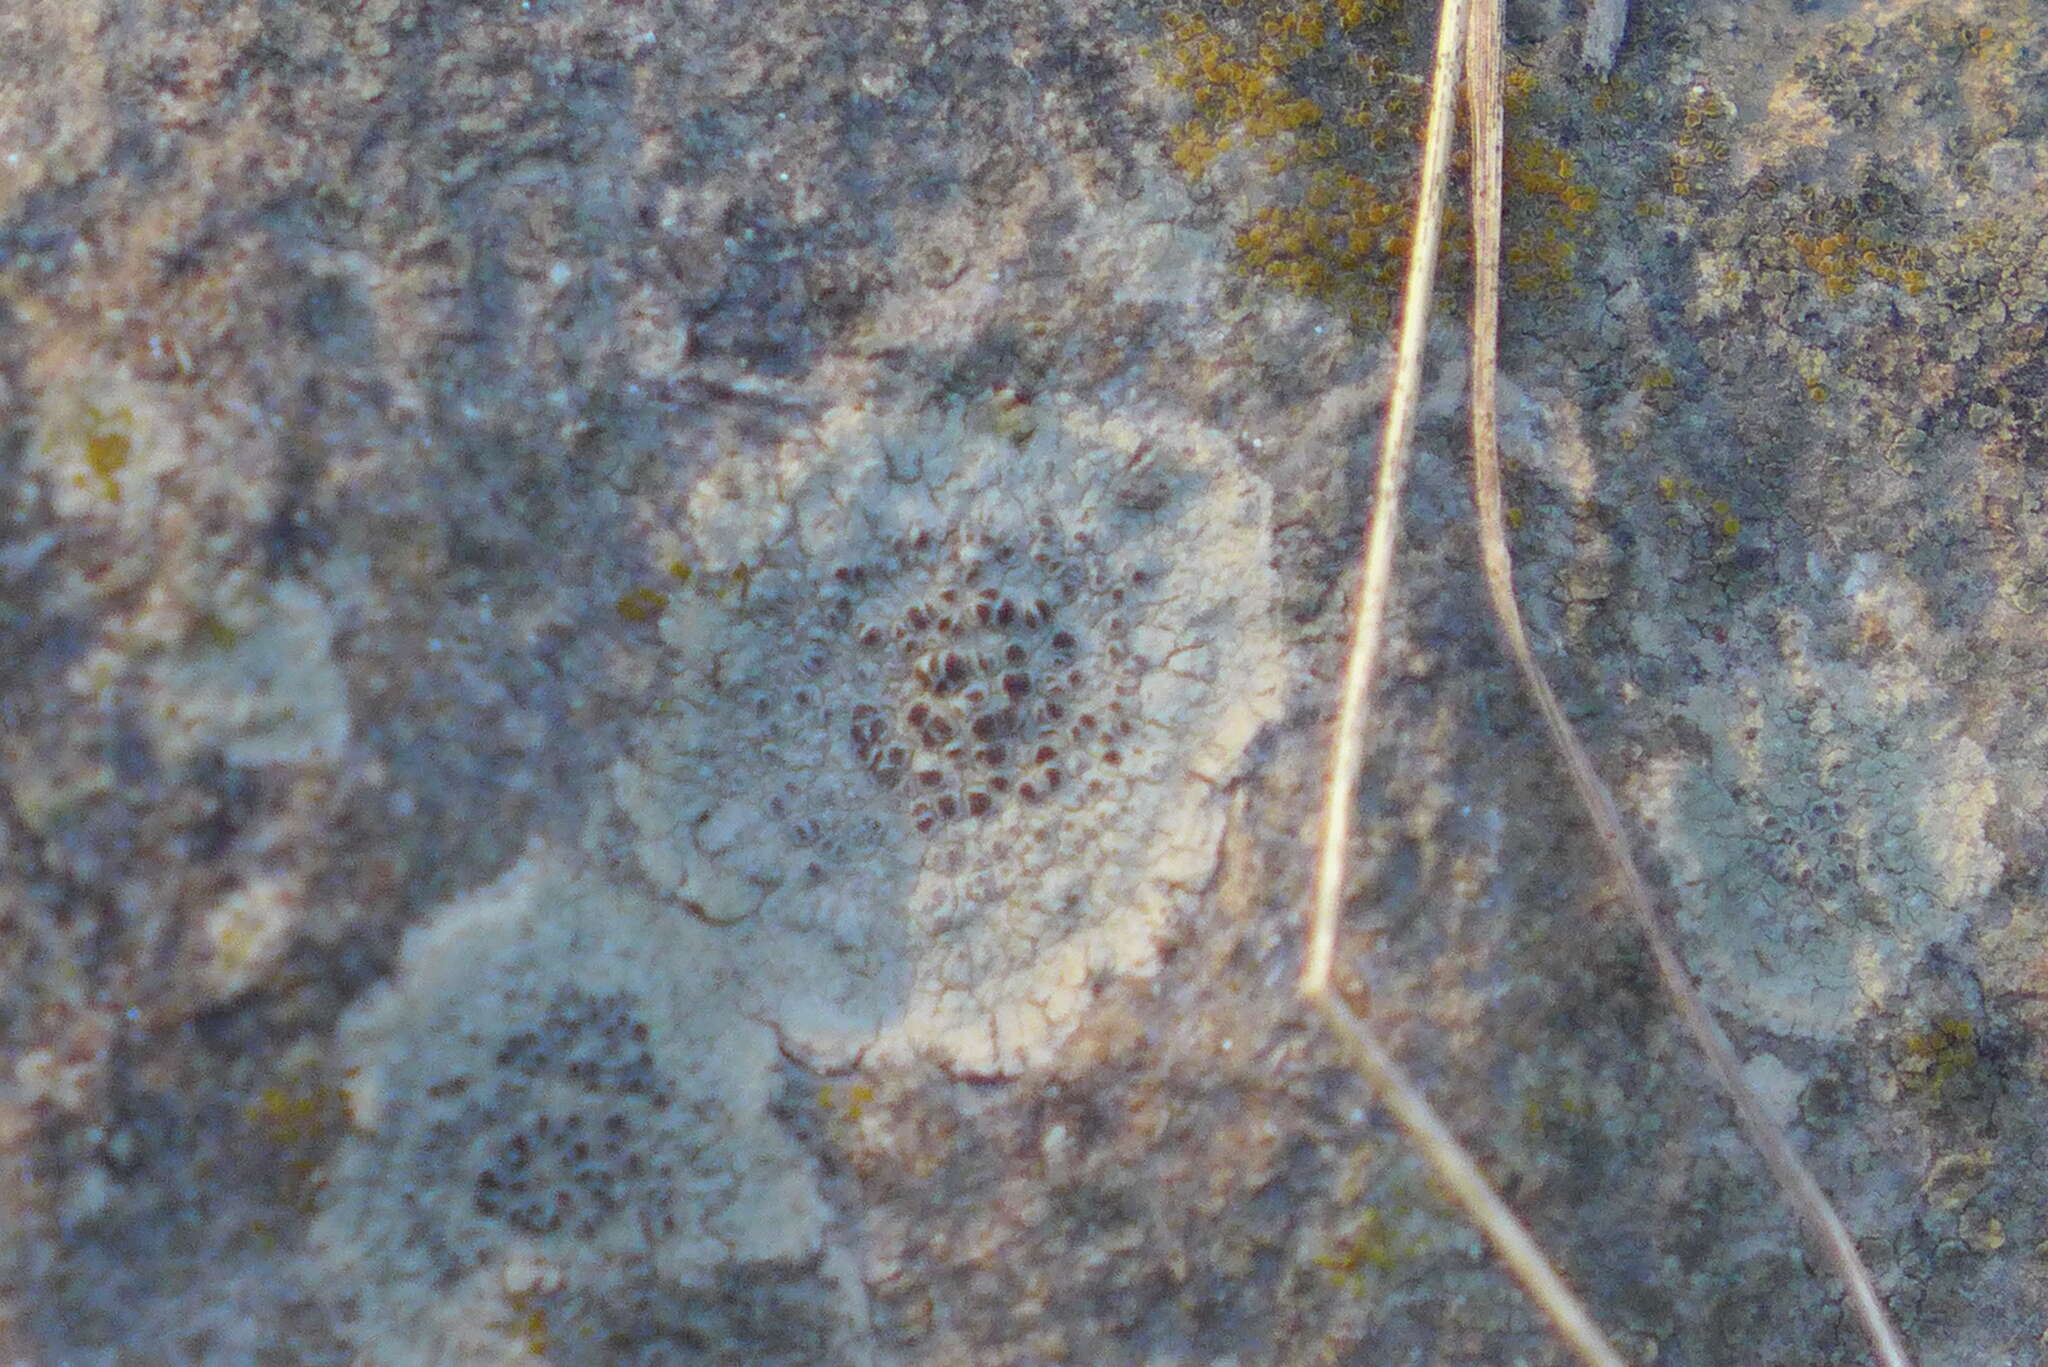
<point x="1836" y="829"/>
<point x="559" y="1126"/>
<point x="258" y="679"/>
<point x="950" y="699"/>
<point x="947" y="704"/>
<point x="217" y="654"/>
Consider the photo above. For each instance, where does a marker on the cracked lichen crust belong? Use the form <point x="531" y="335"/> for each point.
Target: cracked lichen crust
<point x="559" y="1117"/>
<point x="1838" y="828"/>
<point x="951" y="698"/>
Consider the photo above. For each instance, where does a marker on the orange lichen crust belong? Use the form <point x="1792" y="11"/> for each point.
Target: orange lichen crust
<point x="1903" y="288"/>
<point x="1320" y="92"/>
<point x="1837" y="243"/>
<point x="1312" y="87"/>
<point x="641" y="605"/>
<point x="1553" y="210"/>
<point x="1939" y="1058"/>
<point x="1700" y="146"/>
<point x="1692" y="505"/>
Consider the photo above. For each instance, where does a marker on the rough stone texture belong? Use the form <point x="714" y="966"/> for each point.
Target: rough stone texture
<point x="368" y="372"/>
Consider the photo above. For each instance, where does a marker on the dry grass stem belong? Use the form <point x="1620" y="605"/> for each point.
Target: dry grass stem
<point x="1376" y="577"/>
<point x="1480" y="36"/>
<point x="1453" y="1166"/>
<point x="1798" y="1184"/>
<point x="1460" y="1175"/>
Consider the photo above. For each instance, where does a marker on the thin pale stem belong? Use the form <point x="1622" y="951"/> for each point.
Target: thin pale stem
<point x="1376" y="575"/>
<point x="1801" y="1190"/>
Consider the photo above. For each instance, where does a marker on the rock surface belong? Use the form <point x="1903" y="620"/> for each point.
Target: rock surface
<point x="454" y="907"/>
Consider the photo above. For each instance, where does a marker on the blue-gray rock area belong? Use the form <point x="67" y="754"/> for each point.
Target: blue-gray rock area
<point x="665" y="667"/>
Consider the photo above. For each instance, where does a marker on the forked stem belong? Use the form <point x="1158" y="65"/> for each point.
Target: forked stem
<point x="1480" y="36"/>
<point x="1433" y="1140"/>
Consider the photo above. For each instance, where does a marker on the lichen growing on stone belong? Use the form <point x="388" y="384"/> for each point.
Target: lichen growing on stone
<point x="951" y="700"/>
<point x="1837" y="826"/>
<point x="559" y="1119"/>
<point x="1899" y="287"/>
<point x="258" y="678"/>
<point x="1939" y="1059"/>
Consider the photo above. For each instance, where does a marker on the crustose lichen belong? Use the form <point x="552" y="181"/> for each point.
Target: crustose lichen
<point x="956" y="745"/>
